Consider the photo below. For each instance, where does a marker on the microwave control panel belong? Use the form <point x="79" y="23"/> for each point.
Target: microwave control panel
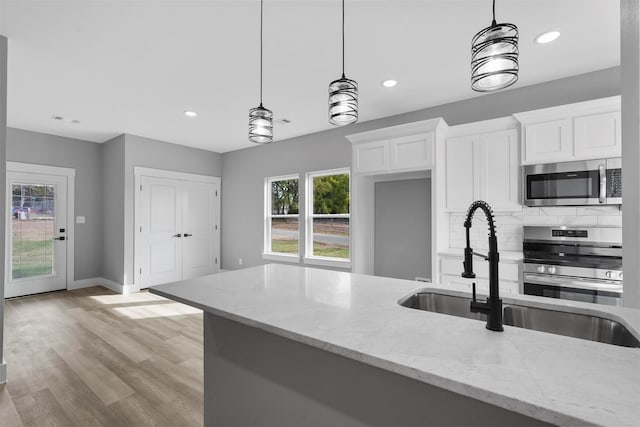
<point x="614" y="182"/>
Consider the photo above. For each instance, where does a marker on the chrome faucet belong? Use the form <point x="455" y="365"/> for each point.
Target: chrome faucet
<point x="493" y="306"/>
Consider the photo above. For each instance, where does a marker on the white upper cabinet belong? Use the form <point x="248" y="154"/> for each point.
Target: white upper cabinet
<point x="484" y="166"/>
<point x="371" y="157"/>
<point x="548" y="141"/>
<point x="499" y="169"/>
<point x="582" y="131"/>
<point x="598" y="136"/>
<point x="460" y="172"/>
<point x="402" y="148"/>
<point x="411" y="152"/>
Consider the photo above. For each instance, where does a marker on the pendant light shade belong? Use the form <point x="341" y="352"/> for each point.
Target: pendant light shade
<point x="343" y="101"/>
<point x="260" y="125"/>
<point x="494" y="57"/>
<point x="260" y="118"/>
<point x="343" y="95"/>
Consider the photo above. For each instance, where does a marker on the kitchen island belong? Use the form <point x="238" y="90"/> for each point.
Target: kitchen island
<point x="288" y="345"/>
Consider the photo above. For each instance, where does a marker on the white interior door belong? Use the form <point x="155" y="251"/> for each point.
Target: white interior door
<point x="37" y="233"/>
<point x="160" y="231"/>
<point x="199" y="227"/>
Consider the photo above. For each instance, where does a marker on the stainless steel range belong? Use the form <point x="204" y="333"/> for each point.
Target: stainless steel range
<point x="580" y="264"/>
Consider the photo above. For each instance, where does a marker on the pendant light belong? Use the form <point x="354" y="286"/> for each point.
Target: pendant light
<point x="260" y="118"/>
<point x="494" y="56"/>
<point x="343" y="95"/>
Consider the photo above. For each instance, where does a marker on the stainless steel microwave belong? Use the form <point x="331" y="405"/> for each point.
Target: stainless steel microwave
<point x="588" y="182"/>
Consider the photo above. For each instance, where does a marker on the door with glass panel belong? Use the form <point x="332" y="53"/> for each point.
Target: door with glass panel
<point x="36" y="233"/>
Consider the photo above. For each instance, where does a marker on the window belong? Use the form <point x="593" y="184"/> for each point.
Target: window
<point x="327" y="232"/>
<point x="282" y="231"/>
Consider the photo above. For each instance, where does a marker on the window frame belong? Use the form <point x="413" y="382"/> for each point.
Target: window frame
<point x="267" y="244"/>
<point x="309" y="258"/>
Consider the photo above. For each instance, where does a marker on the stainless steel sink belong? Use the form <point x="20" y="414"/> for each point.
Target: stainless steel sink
<point x="575" y="325"/>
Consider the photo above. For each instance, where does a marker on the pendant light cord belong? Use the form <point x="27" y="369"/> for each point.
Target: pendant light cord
<point x="261" y="7"/>
<point x="493" y="23"/>
<point x="343" y="39"/>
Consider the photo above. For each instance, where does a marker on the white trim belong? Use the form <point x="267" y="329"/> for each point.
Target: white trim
<point x="3" y="371"/>
<point x="85" y="283"/>
<point x="182" y="176"/>
<point x="275" y="256"/>
<point x="485" y="126"/>
<point x="328" y="262"/>
<point x="569" y="111"/>
<point x="70" y="174"/>
<point x="139" y="172"/>
<point x="40" y="169"/>
<point x="117" y="287"/>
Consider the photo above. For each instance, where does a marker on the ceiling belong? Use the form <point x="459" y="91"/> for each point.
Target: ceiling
<point x="136" y="66"/>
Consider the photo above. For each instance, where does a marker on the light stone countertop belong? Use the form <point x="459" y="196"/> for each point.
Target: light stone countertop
<point x="557" y="379"/>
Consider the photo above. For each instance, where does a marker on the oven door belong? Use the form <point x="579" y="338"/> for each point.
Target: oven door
<point x="569" y="183"/>
<point x="596" y="291"/>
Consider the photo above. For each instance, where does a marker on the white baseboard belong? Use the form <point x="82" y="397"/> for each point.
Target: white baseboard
<point x="85" y="283"/>
<point x="106" y="283"/>
<point x="3" y="372"/>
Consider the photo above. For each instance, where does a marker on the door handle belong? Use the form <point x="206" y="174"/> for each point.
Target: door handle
<point x="60" y="238"/>
<point x="177" y="235"/>
<point x="603" y="183"/>
<point x="187" y="235"/>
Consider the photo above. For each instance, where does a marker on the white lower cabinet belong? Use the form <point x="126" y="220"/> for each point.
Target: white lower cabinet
<point x="483" y="166"/>
<point x="451" y="270"/>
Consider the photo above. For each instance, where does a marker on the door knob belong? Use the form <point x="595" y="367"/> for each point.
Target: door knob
<point x="59" y="238"/>
<point x="177" y="235"/>
<point x="187" y="235"/>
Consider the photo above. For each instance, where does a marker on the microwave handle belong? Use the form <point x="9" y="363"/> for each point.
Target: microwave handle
<point x="603" y="183"/>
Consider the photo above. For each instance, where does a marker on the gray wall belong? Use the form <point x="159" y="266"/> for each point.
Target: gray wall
<point x="112" y="158"/>
<point x="403" y="229"/>
<point x="3" y="177"/>
<point x="630" y="54"/>
<point x="156" y="154"/>
<point x="244" y="170"/>
<point x="83" y="156"/>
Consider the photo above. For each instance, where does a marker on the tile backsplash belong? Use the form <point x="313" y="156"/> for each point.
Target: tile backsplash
<point x="509" y="224"/>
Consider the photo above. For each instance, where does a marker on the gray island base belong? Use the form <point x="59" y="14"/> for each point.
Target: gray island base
<point x="256" y="378"/>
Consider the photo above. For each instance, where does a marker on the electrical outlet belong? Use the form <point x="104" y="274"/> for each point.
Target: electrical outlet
<point x="239" y="261"/>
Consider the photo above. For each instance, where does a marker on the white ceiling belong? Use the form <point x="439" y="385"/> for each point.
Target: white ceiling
<point x="135" y="66"/>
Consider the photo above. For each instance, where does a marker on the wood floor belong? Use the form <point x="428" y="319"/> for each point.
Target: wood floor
<point x="95" y="358"/>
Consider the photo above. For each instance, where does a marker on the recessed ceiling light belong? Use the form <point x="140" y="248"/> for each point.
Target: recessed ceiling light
<point x="190" y="113"/>
<point x="284" y="121"/>
<point x="389" y="83"/>
<point x="547" y="37"/>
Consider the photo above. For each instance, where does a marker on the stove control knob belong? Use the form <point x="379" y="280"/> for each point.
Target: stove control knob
<point x="540" y="269"/>
<point x="609" y="274"/>
<point x="620" y="275"/>
<point x="552" y="270"/>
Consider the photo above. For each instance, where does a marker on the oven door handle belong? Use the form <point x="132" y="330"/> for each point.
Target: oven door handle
<point x="603" y="183"/>
<point x="572" y="282"/>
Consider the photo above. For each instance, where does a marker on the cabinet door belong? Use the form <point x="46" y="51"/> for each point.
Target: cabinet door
<point x="548" y="142"/>
<point x="460" y="172"/>
<point x="371" y="157"/>
<point x="598" y="136"/>
<point x="411" y="152"/>
<point x="499" y="169"/>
